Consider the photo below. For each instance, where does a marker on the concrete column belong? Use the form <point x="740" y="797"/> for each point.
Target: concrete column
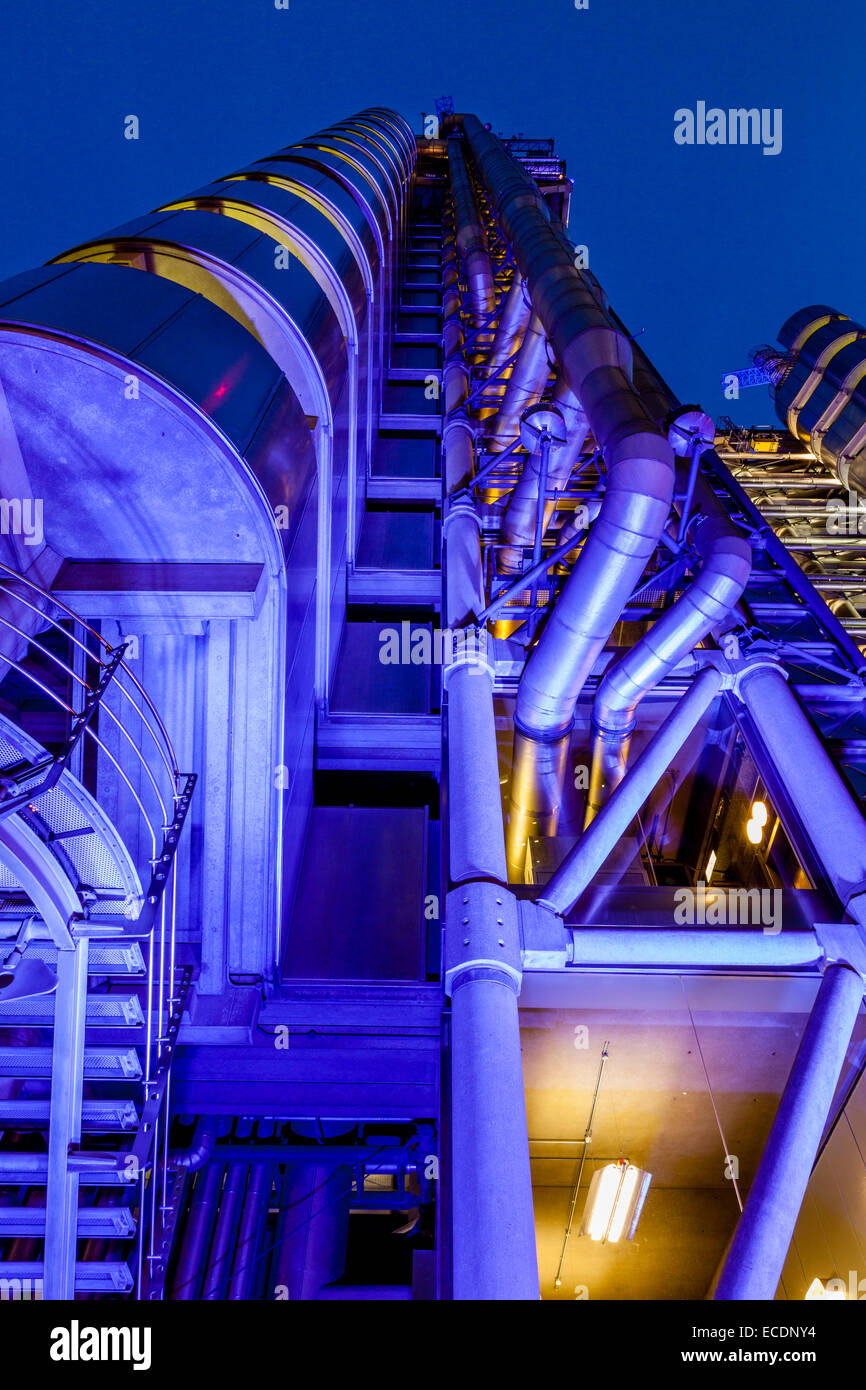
<point x="757" y="1254"/>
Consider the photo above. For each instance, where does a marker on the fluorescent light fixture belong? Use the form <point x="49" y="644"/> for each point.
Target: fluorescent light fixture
<point x="833" y="1291"/>
<point x="755" y="832"/>
<point x="711" y="864"/>
<point x="614" y="1201"/>
<point x="759" y="813"/>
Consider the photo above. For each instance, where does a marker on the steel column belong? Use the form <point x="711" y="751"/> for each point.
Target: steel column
<point x="756" y="1258"/>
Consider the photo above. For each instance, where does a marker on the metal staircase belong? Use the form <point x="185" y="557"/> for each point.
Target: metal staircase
<point x="90" y="994"/>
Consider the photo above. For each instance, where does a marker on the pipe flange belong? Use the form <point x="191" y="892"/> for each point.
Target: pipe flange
<point x="461" y="507"/>
<point x="843" y="944"/>
<point x="472" y="647"/>
<point x="481" y="933"/>
<point x="748" y="668"/>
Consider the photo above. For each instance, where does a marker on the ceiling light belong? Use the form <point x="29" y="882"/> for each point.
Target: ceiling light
<point x="614" y="1201"/>
<point x="755" y="832"/>
<point x="759" y="812"/>
<point x="711" y="864"/>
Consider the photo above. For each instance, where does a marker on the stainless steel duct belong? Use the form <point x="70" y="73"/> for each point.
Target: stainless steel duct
<point x="512" y="323"/>
<point x="596" y="359"/>
<point x="726" y="563"/>
<point x="519" y="522"/>
<point x="471" y="241"/>
<point x="526" y="383"/>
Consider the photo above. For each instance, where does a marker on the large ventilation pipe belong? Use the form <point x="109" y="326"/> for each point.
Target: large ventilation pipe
<point x="471" y="241"/>
<point x="726" y="563"/>
<point x="512" y="323"/>
<point x="521" y="515"/>
<point x="526" y="383"/>
<point x="312" y="1230"/>
<point x="596" y="359"/>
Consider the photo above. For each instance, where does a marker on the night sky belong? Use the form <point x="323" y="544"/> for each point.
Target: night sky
<point x="708" y="248"/>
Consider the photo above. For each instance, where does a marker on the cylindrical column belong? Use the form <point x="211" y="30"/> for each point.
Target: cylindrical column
<point x="477" y="846"/>
<point x="756" y="1258"/>
<point x="823" y="804"/>
<point x="494" y="1229"/>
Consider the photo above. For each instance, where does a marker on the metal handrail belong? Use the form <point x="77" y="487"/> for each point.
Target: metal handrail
<point x="170" y="802"/>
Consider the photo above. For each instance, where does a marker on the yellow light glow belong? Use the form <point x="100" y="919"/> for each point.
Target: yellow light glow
<point x="755" y="832"/>
<point x="605" y="1196"/>
<point x="711" y="864"/>
<point x="759" y="813"/>
<point x="622" y="1210"/>
<point x="614" y="1201"/>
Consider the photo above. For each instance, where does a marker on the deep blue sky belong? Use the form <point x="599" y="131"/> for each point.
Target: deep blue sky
<point x="709" y="249"/>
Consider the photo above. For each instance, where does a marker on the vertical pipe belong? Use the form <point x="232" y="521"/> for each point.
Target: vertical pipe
<point x="312" y="1230"/>
<point x="249" y="1233"/>
<point x="757" y="1254"/>
<point x="197" y="1236"/>
<point x="220" y="1260"/>
<point x="492" y="1225"/>
<point x="494" y="1250"/>
<point x="471" y="241"/>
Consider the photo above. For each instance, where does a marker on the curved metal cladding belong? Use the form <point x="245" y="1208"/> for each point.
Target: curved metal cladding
<point x="822" y="397"/>
<point x="313" y="247"/>
<point x="363" y="173"/>
<point x="159" y="432"/>
<point x="199" y="387"/>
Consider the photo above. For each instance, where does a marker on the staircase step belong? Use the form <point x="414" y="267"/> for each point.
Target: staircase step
<point x="105" y="957"/>
<point x="98" y="1116"/>
<point x="100" y="1063"/>
<point x="103" y="1010"/>
<point x="90" y="1277"/>
<point x="110" y="1223"/>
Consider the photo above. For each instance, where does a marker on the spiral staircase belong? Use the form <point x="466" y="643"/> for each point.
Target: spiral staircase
<point x="90" y="994"/>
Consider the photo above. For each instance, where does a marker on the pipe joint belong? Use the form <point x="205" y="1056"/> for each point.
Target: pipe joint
<point x="472" y="649"/>
<point x="482" y="934"/>
<point x="742" y="672"/>
<point x="843" y="943"/>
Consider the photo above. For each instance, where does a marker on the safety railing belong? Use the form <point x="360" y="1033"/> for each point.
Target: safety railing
<point x="55" y="652"/>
